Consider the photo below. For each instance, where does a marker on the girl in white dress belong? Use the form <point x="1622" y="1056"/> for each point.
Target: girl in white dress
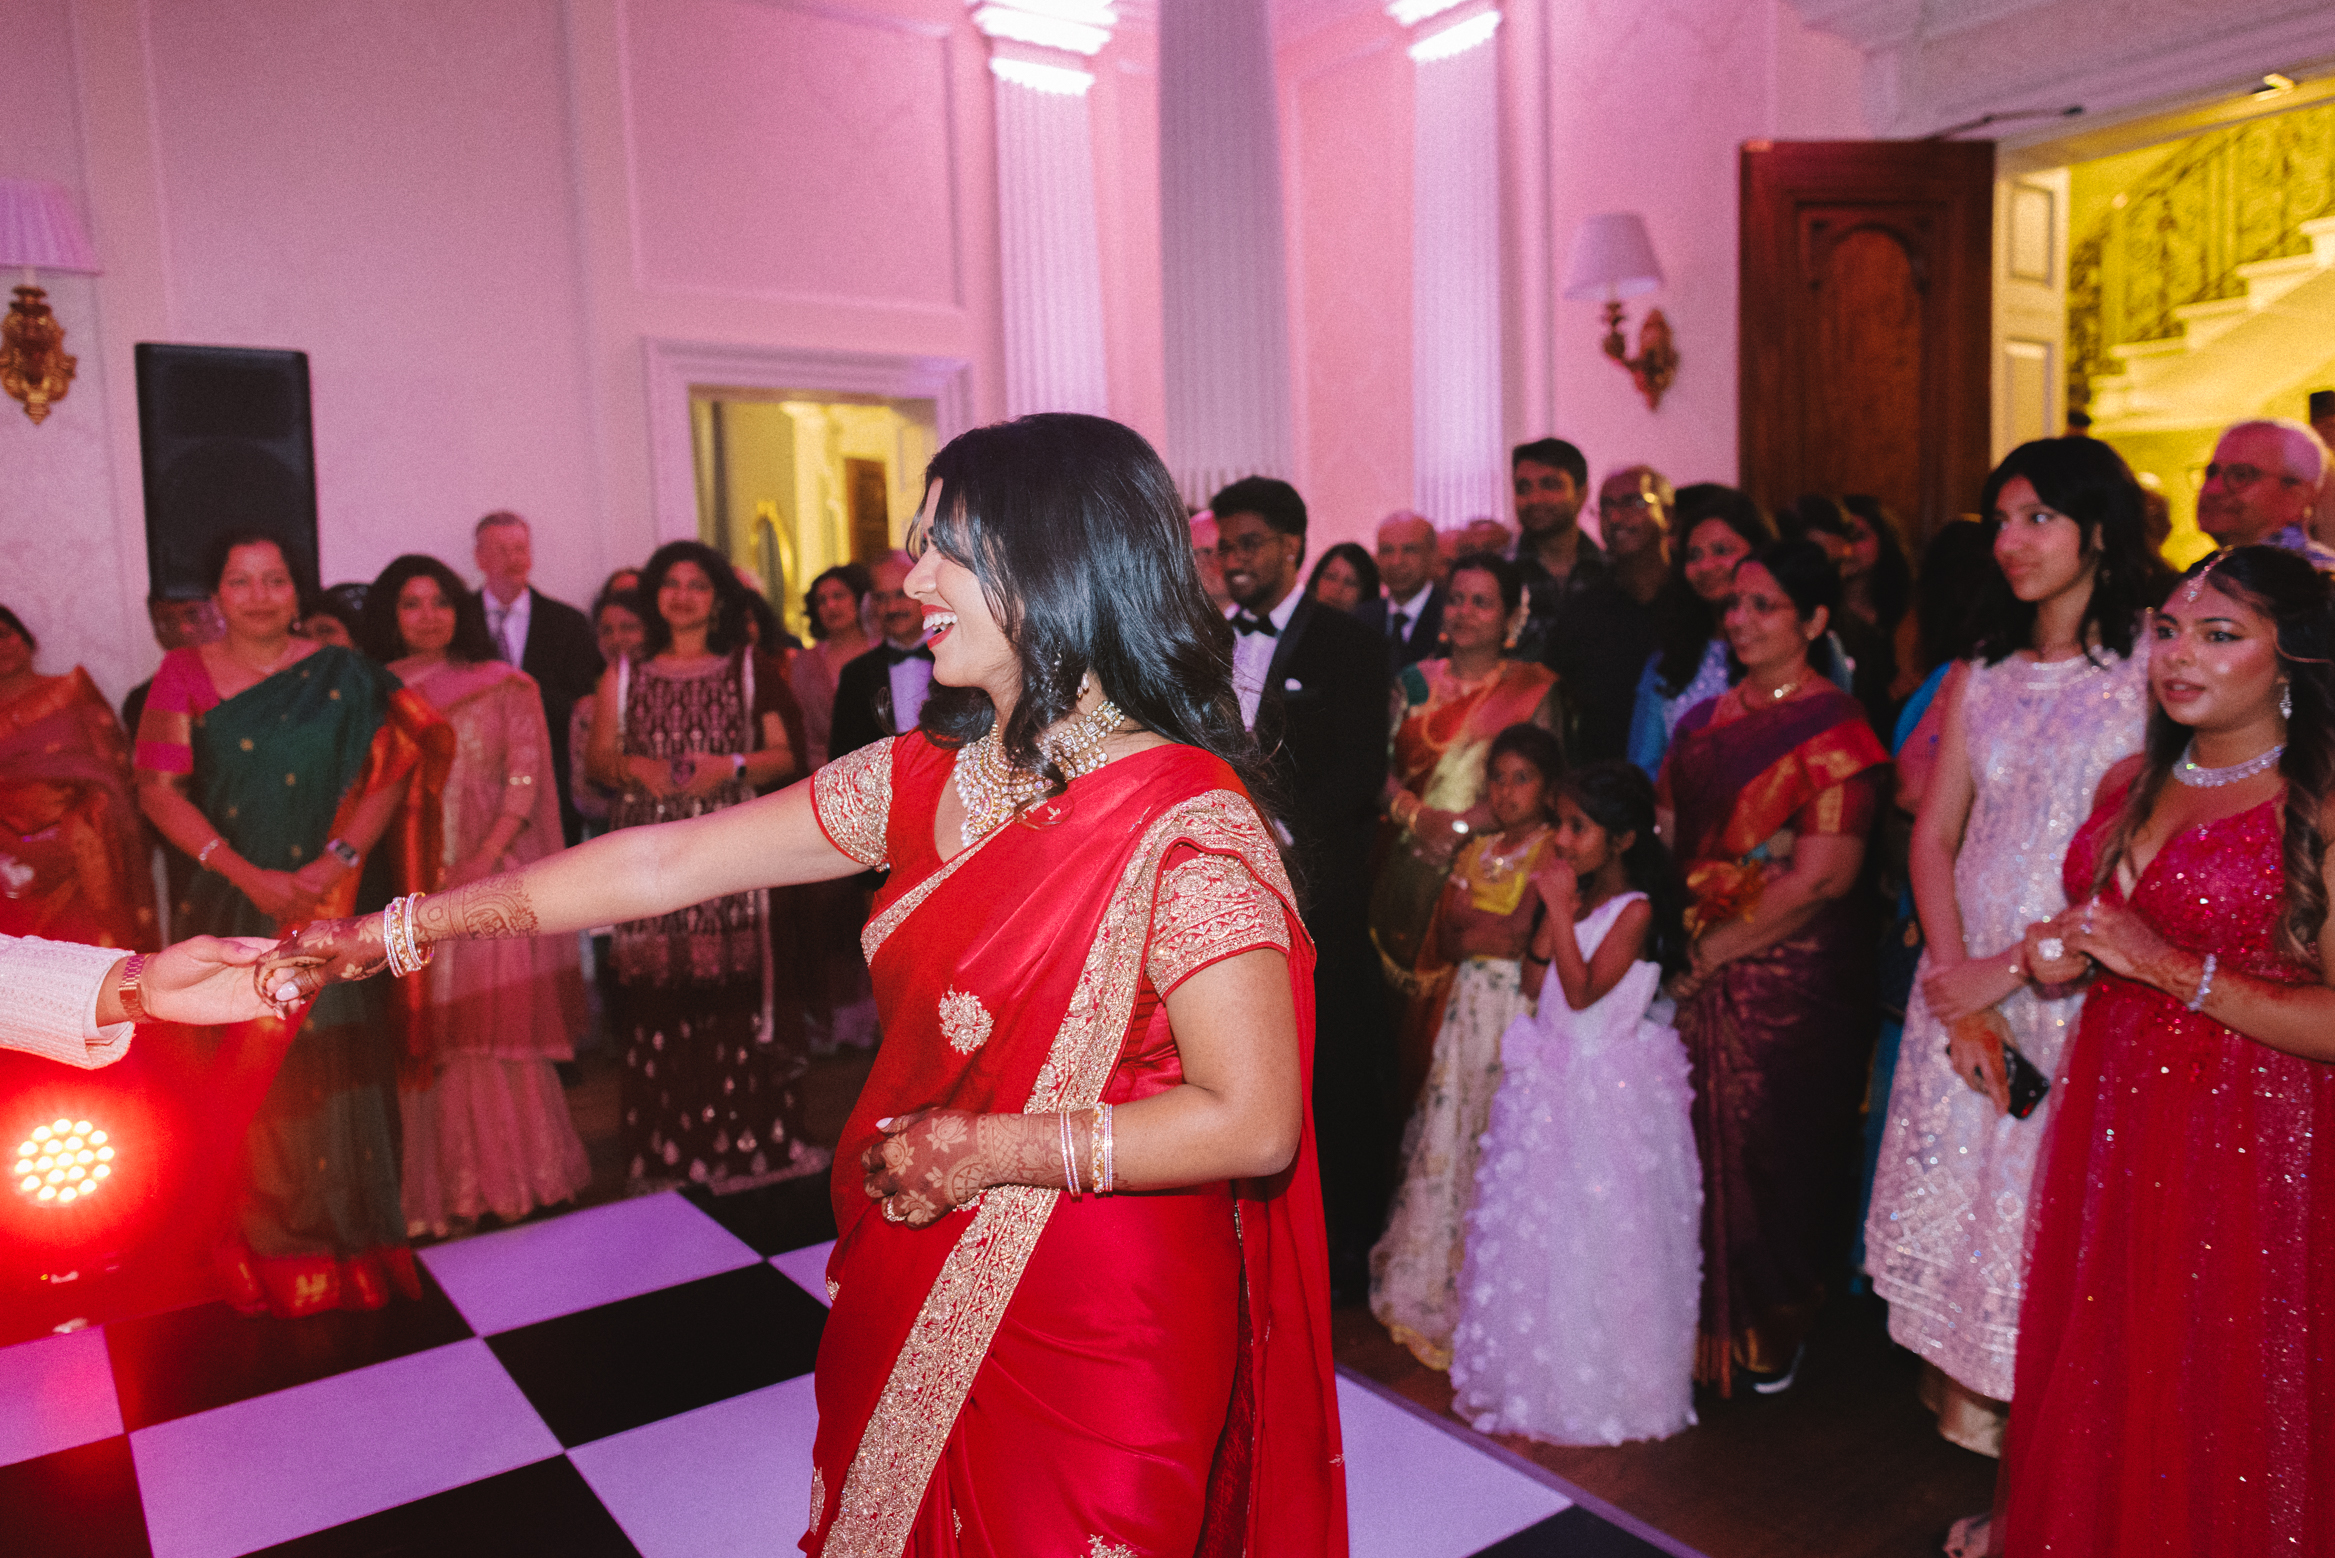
<point x="1578" y="1300"/>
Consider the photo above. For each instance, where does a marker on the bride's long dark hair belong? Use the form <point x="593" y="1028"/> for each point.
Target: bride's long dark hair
<point x="1074" y="529"/>
<point x="2296" y="597"/>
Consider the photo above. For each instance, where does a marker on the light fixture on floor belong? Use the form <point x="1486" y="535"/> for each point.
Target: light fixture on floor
<point x="38" y="230"/>
<point x="2274" y="84"/>
<point x="62" y="1161"/>
<point x="1613" y="258"/>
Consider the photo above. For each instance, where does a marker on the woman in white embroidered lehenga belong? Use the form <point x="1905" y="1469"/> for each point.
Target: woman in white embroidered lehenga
<point x="2053" y="698"/>
<point x="1583" y="1283"/>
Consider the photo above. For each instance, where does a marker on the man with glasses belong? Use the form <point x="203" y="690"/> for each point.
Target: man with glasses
<point x="2262" y="486"/>
<point x="1312" y="683"/>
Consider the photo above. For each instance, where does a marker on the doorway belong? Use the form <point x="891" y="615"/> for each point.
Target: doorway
<point x="790" y="485"/>
<point x="2161" y="279"/>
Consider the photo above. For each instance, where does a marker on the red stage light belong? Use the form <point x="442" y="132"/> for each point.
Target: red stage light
<point x="63" y="1161"/>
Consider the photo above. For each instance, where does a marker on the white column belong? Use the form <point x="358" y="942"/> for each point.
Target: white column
<point x="1050" y="256"/>
<point x="1225" y="284"/>
<point x="1458" y="461"/>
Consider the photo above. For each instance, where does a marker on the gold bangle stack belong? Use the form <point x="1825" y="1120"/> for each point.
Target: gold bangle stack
<point x="1069" y="1155"/>
<point x="407" y="954"/>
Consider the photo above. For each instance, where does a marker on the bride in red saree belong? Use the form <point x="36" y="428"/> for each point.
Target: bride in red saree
<point x="1081" y="1288"/>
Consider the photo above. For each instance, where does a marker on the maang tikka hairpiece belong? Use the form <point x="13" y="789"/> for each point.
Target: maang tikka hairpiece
<point x="2189" y="596"/>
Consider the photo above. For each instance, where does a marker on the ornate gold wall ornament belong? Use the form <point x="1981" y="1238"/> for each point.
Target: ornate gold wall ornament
<point x="1656" y="366"/>
<point x="34" y="367"/>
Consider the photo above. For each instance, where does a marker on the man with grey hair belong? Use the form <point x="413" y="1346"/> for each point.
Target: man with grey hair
<point x="2262" y="486"/>
<point x="548" y="639"/>
<point x="1410" y="617"/>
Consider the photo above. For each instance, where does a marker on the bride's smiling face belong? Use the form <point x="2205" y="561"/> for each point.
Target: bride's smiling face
<point x="968" y="643"/>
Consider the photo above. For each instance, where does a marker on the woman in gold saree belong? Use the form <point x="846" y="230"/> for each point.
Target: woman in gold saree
<point x="1768" y="791"/>
<point x="1081" y="1288"/>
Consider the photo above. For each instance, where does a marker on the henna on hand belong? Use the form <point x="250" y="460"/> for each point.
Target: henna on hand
<point x="934" y="1161"/>
<point x="482" y="911"/>
<point x="326" y="952"/>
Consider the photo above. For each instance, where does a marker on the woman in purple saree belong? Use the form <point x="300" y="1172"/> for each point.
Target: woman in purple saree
<point x="1769" y="790"/>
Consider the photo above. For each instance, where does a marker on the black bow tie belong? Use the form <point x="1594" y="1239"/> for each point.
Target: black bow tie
<point x="894" y="654"/>
<point x="1244" y="622"/>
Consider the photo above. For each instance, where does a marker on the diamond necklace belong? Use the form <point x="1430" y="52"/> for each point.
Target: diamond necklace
<point x="2188" y="772"/>
<point x="993" y="789"/>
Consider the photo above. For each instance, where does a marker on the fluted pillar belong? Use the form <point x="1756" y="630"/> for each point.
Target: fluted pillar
<point x="1225" y="285"/>
<point x="1458" y="462"/>
<point x="1050" y="255"/>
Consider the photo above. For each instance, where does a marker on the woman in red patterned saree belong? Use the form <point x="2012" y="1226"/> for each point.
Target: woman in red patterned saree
<point x="1081" y="1288"/>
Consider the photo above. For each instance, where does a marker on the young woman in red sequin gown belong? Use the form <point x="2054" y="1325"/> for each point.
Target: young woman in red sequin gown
<point x="2175" y="1388"/>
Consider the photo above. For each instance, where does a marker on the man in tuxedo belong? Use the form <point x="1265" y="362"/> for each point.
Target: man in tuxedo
<point x="1410" y="616"/>
<point x="1312" y="684"/>
<point x="882" y="692"/>
<point x="548" y="639"/>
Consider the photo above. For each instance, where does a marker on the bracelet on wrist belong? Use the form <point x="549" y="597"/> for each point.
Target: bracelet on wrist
<point x="2204" y="983"/>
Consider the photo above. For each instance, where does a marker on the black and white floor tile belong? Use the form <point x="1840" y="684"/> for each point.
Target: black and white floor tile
<point x="629" y="1379"/>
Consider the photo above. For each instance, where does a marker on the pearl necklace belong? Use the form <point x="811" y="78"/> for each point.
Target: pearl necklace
<point x="2188" y="772"/>
<point x="993" y="789"/>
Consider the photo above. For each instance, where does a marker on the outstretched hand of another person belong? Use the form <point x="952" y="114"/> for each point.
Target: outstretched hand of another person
<point x="330" y="952"/>
<point x="207" y="980"/>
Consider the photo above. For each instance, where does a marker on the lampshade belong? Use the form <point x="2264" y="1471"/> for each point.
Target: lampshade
<point x="1612" y="254"/>
<point x="39" y="227"/>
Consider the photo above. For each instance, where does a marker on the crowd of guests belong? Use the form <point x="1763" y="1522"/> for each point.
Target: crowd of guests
<point x="1591" y="835"/>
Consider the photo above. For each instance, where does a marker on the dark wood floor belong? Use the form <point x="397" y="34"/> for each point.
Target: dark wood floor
<point x="1846" y="1464"/>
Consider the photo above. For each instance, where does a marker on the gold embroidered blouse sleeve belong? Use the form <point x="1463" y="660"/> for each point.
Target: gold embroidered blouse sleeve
<point x="1209" y="908"/>
<point x="853" y="799"/>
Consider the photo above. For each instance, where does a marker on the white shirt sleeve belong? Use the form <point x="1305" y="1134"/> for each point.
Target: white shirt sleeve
<point x="48" y="1001"/>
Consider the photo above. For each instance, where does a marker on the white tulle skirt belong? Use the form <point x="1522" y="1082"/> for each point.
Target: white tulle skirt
<point x="1578" y="1298"/>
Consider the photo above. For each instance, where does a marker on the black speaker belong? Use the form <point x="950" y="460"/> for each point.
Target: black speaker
<point x="223" y="437"/>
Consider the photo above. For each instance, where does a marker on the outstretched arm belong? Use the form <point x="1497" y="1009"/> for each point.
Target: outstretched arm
<point x="632" y="874"/>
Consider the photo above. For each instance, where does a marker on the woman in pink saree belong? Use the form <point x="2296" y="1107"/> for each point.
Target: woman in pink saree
<point x="1081" y="1289"/>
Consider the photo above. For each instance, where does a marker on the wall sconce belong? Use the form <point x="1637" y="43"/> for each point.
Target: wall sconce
<point x="1613" y="258"/>
<point x="38" y="228"/>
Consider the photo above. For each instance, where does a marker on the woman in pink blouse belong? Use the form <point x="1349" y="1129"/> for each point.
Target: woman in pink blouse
<point x="486" y="1125"/>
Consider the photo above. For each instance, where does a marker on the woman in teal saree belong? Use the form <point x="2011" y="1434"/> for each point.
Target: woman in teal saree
<point x="280" y="765"/>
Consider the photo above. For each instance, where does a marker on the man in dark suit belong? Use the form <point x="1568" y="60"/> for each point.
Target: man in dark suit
<point x="548" y="639"/>
<point x="882" y="692"/>
<point x="1410" y="615"/>
<point x="1313" y="685"/>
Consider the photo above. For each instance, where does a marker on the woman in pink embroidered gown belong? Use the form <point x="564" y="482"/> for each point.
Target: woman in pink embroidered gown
<point x="1057" y="1328"/>
<point x="2176" y="1368"/>
<point x="486" y="1124"/>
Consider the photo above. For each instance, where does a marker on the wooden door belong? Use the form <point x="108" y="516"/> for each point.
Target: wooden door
<point x="1866" y="322"/>
<point x="870" y="497"/>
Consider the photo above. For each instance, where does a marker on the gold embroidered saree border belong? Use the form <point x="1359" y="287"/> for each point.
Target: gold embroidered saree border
<point x="904" y="1436"/>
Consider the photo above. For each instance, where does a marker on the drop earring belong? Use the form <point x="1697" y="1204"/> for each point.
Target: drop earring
<point x="1085" y="680"/>
<point x="2286" y="700"/>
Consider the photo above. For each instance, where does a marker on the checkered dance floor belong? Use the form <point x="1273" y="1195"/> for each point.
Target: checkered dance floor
<point x="629" y="1379"/>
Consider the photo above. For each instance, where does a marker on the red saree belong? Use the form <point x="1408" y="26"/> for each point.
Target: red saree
<point x="1127" y="1374"/>
<point x="1779" y="1039"/>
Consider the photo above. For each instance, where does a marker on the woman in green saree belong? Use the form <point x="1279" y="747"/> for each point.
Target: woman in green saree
<point x="279" y="764"/>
